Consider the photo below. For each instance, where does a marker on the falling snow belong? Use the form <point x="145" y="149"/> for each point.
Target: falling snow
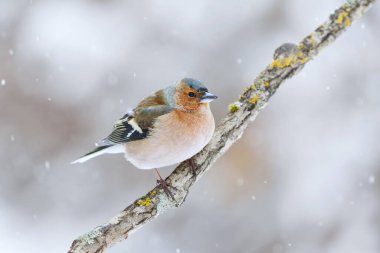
<point x="339" y="109"/>
<point x="240" y="181"/>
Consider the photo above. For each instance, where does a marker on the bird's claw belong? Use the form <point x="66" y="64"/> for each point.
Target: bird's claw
<point x="165" y="187"/>
<point x="192" y="166"/>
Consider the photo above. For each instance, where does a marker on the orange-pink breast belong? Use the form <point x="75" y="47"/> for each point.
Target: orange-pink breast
<point x="176" y="137"/>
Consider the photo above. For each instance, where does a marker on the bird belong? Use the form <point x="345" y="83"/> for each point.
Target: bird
<point x="165" y="128"/>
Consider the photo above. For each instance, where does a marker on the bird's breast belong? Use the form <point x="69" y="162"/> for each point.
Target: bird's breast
<point x="175" y="137"/>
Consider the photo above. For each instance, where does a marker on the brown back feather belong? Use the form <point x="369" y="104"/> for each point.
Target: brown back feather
<point x="150" y="108"/>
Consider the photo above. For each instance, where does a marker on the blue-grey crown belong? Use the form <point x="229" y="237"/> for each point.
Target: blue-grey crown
<point x="195" y="84"/>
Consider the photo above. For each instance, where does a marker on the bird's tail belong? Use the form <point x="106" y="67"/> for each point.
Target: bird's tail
<point x="98" y="151"/>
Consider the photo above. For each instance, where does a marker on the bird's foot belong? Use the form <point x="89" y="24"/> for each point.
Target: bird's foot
<point x="192" y="166"/>
<point x="165" y="186"/>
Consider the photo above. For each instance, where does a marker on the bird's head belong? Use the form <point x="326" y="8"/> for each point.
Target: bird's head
<point x="191" y="94"/>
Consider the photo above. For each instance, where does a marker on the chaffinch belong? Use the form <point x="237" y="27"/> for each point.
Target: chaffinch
<point x="164" y="129"/>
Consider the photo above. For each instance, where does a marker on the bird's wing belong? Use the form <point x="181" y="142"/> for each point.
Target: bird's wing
<point x="137" y="124"/>
<point x="124" y="130"/>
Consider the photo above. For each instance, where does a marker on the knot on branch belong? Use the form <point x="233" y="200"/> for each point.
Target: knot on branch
<point x="289" y="55"/>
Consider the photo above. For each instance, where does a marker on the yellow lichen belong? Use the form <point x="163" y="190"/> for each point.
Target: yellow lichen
<point x="301" y="46"/>
<point x="297" y="57"/>
<point x="285" y="62"/>
<point x="302" y="57"/>
<point x="253" y="87"/>
<point x="255" y="99"/>
<point x="152" y="193"/>
<point x="266" y="84"/>
<point x="348" y="22"/>
<point x="234" y="107"/>
<point x="304" y="60"/>
<point x="144" y="202"/>
<point x="343" y="17"/>
<point x="312" y="39"/>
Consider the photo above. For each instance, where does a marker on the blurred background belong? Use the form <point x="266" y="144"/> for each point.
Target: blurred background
<point x="304" y="177"/>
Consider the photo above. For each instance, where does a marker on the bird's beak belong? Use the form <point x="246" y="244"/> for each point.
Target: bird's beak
<point x="208" y="97"/>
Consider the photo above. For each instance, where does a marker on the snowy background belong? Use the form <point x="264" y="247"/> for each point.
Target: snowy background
<point x="305" y="177"/>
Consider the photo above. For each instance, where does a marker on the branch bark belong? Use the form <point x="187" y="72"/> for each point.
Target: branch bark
<point x="288" y="60"/>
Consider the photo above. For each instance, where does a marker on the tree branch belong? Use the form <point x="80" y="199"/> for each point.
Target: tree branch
<point x="289" y="59"/>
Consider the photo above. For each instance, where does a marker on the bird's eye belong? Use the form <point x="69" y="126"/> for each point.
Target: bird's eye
<point x="191" y="94"/>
